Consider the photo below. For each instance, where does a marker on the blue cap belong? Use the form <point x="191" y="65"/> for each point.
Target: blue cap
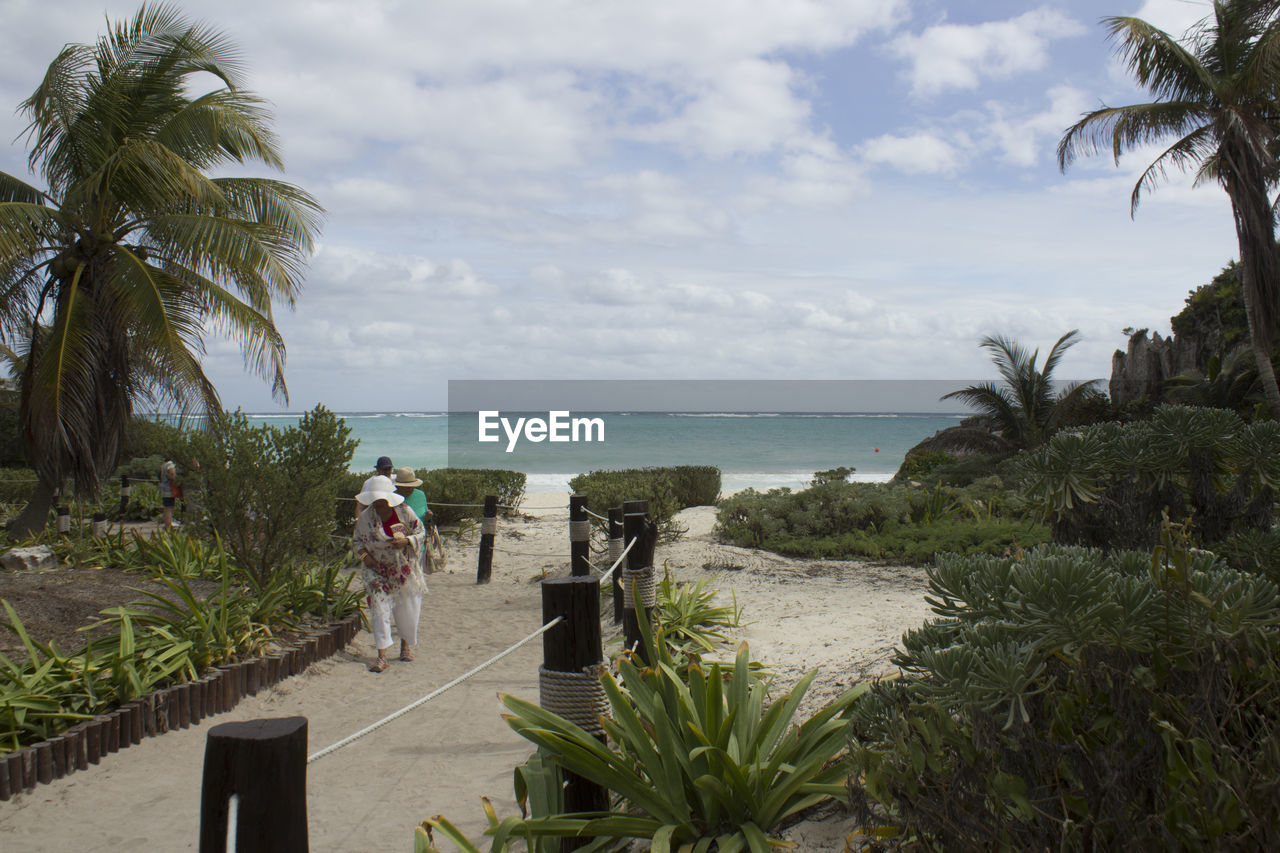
<point x="383" y="462"/>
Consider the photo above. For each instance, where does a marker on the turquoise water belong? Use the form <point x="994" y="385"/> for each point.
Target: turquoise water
<point x="760" y="451"/>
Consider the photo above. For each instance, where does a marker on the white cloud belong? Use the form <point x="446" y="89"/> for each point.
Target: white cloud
<point x="920" y="153"/>
<point x="1024" y="140"/>
<point x="956" y="56"/>
<point x="1174" y="16"/>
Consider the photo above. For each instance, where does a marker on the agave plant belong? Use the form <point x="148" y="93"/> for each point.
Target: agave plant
<point x="698" y="761"/>
<point x="690" y="617"/>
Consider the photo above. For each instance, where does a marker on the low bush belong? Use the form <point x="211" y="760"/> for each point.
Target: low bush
<point x="16" y="484"/>
<point x="174" y="635"/>
<point x="838" y="520"/>
<point x="151" y="437"/>
<point x="668" y="490"/>
<point x="916" y="465"/>
<point x="1067" y="700"/>
<point x="470" y="486"/>
<point x="1108" y="485"/>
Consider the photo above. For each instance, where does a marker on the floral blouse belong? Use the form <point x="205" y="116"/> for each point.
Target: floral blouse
<point x="394" y="568"/>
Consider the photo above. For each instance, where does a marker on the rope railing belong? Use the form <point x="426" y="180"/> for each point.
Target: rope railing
<point x="350" y="739"/>
<point x="595" y="514"/>
<point x="605" y="577"/>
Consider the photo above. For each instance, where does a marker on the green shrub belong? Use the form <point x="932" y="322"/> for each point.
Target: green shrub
<point x="163" y="638"/>
<point x="840" y="520"/>
<point x="470" y="486"/>
<point x="1108" y="485"/>
<point x="916" y="465"/>
<point x="147" y="437"/>
<point x="1067" y="700"/>
<point x="698" y="757"/>
<point x="965" y="470"/>
<point x="668" y="490"/>
<point x="16" y="484"/>
<point x="696" y="485"/>
<point x="1253" y="551"/>
<point x="269" y="491"/>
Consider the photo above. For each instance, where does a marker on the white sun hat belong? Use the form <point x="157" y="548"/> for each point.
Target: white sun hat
<point x="380" y="488"/>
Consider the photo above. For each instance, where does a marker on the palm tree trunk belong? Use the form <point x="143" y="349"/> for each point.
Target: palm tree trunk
<point x="35" y="517"/>
<point x="1259" y="265"/>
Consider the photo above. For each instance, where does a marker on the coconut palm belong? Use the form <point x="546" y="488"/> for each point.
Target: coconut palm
<point x="1026" y="408"/>
<point x="1215" y="96"/>
<point x="113" y="274"/>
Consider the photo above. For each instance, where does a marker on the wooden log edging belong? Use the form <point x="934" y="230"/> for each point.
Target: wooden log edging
<point x="173" y="707"/>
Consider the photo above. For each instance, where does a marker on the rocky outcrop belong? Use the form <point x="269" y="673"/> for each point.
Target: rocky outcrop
<point x="1142" y="369"/>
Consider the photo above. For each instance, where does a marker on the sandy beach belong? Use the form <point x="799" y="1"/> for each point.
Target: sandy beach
<point x="444" y="756"/>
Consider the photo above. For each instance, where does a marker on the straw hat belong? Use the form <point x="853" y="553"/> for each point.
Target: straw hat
<point x="406" y="478"/>
<point x="380" y="489"/>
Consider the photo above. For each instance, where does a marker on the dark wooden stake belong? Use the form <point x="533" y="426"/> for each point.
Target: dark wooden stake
<point x="636" y="525"/>
<point x="580" y="548"/>
<point x="572" y="646"/>
<point x="264" y="764"/>
<point x="125" y="490"/>
<point x="615" y="532"/>
<point x="484" y="572"/>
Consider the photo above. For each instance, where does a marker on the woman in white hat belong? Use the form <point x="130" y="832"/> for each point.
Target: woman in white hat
<point x="389" y="539"/>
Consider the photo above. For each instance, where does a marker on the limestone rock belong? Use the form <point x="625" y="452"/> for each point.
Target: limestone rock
<point x="37" y="558"/>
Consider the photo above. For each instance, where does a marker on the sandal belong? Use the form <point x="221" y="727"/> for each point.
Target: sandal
<point x="379" y="665"/>
<point x="406" y="655"/>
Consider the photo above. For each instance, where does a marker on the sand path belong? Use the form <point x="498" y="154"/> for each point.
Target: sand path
<point x="442" y="757"/>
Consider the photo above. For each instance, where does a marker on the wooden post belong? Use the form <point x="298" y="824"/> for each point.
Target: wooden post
<point x="573" y="646"/>
<point x="579" y="537"/>
<point x="125" y="491"/>
<point x="488" y="530"/>
<point x="99" y="525"/>
<point x="263" y="764"/>
<point x="636" y="525"/>
<point x="616" y="544"/>
<point x="64" y="521"/>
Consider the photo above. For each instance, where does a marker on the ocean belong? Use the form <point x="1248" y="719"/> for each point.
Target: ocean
<point x="752" y="450"/>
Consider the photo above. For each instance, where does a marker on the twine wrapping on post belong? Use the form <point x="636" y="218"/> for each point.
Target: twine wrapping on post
<point x="488" y="526"/>
<point x="642" y="581"/>
<point x="579" y="697"/>
<point x="579" y="531"/>
<point x="615" y="550"/>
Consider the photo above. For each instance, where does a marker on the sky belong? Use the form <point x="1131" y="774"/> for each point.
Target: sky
<point x="686" y="189"/>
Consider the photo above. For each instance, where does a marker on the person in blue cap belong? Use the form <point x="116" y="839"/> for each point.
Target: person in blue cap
<point x="384" y="469"/>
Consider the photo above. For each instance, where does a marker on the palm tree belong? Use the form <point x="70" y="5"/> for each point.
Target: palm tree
<point x="1216" y="96"/>
<point x="112" y="275"/>
<point x="1025" y="408"/>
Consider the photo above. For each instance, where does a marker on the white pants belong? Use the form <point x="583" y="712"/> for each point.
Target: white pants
<point x="405" y="607"/>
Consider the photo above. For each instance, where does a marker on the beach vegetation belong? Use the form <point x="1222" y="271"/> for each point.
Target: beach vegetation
<point x="1212" y="114"/>
<point x="697" y="757"/>
<point x="267" y="491"/>
<point x="196" y="609"/>
<point x="1110" y="485"/>
<point x="668" y="490"/>
<point x="140" y="242"/>
<point x="1065" y="698"/>
<point x="690" y="616"/>
<point x="880" y="521"/>
<point x="1027" y="406"/>
<point x="470" y="486"/>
